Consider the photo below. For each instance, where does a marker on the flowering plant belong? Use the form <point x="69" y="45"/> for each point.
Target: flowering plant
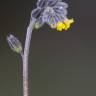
<point x="51" y="12"/>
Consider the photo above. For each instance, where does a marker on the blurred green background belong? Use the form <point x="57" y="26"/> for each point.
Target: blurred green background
<point x="60" y="63"/>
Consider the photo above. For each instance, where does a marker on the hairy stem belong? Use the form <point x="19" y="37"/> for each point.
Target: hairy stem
<point x="25" y="57"/>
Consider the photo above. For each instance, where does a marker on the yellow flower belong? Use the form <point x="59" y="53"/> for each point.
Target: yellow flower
<point x="68" y="22"/>
<point x="60" y="26"/>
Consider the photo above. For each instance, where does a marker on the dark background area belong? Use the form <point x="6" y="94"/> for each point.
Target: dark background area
<point x="60" y="63"/>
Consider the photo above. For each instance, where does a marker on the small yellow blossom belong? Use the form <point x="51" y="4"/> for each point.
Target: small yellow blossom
<point x="68" y="22"/>
<point x="60" y="26"/>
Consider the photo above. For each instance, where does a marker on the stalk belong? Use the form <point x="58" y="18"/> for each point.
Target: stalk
<point x="25" y="57"/>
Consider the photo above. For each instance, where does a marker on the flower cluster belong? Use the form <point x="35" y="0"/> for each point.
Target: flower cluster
<point x="64" y="25"/>
<point x="52" y="12"/>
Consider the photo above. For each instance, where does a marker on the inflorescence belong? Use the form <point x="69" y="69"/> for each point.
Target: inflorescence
<point x="52" y="12"/>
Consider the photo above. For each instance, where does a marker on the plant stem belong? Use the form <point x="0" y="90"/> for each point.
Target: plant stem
<point x="25" y="57"/>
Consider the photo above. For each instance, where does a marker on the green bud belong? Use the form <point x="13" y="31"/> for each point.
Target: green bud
<point x="37" y="25"/>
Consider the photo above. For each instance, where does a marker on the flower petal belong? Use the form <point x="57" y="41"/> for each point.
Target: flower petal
<point x="60" y="26"/>
<point x="60" y="13"/>
<point x="62" y="4"/>
<point x="41" y="3"/>
<point x="48" y="19"/>
<point x="51" y="2"/>
<point x="36" y="13"/>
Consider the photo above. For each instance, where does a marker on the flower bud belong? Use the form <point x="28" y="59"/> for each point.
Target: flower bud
<point x="14" y="43"/>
